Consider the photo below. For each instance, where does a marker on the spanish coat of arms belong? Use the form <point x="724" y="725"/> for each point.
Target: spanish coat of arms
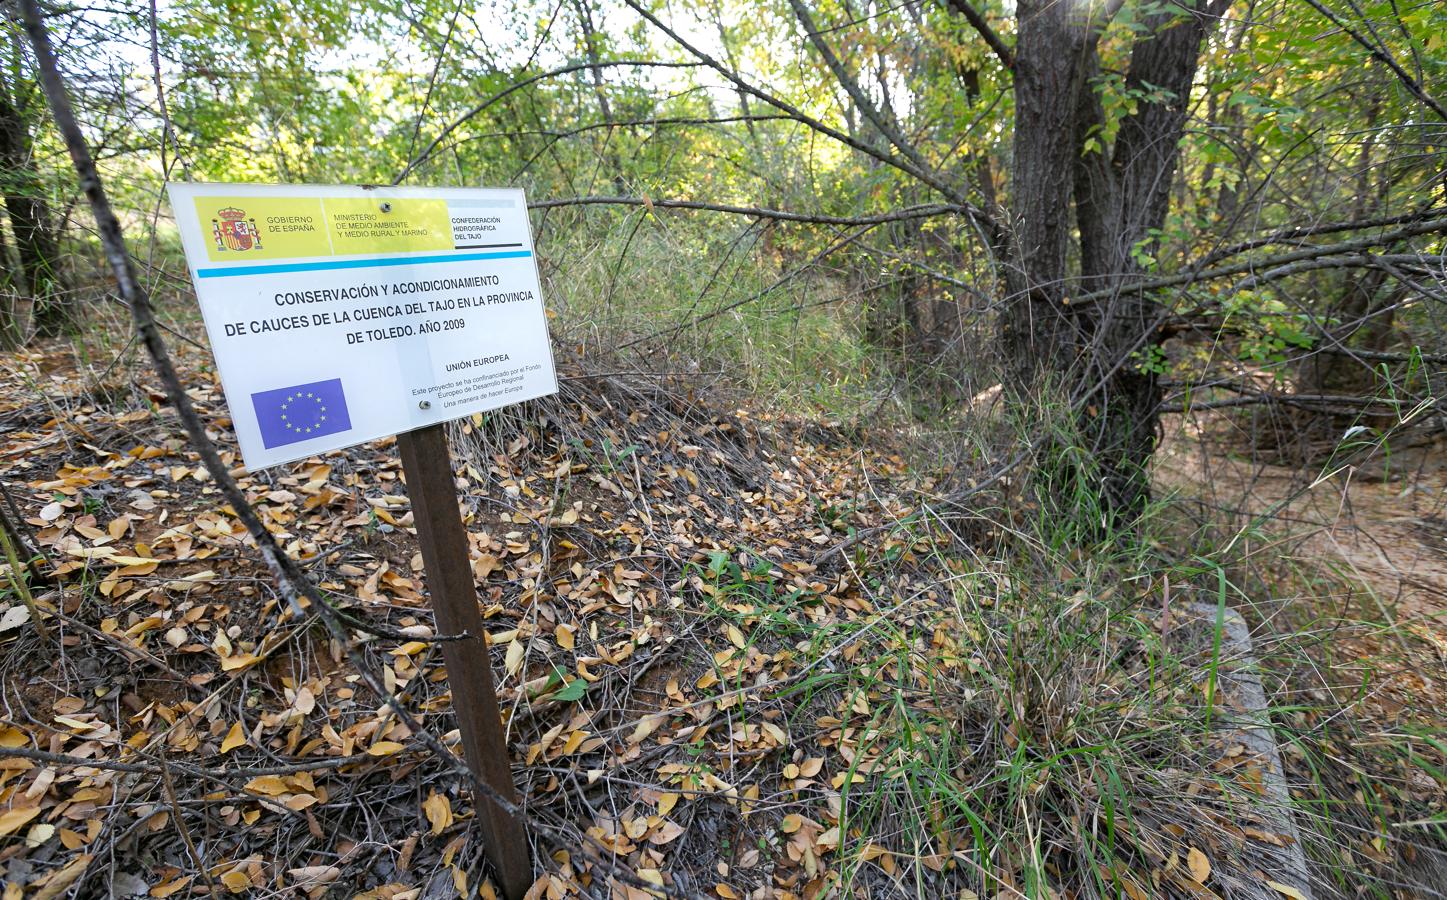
<point x="234" y="231"/>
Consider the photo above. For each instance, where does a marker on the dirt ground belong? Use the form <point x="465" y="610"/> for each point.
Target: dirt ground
<point x="1351" y="563"/>
<point x="1388" y="534"/>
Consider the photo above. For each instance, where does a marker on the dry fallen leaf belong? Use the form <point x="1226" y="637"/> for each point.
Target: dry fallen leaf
<point x="13" y="618"/>
<point x="167" y="888"/>
<point x="236" y="881"/>
<point x="236" y="737"/>
<point x="646" y="726"/>
<point x="1286" y="890"/>
<point x="57" y="882"/>
<point x="314" y="876"/>
<point x="1199" y="865"/>
<point x="270" y="785"/>
<point x="439" y="812"/>
<point x="12" y="819"/>
<point x="513" y="661"/>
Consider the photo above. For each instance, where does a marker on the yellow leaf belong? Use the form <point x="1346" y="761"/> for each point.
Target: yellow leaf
<point x="792" y="823"/>
<point x="384" y="748"/>
<point x="236" y="737"/>
<point x="1199" y="865"/>
<point x="39" y="833"/>
<point x="645" y="727"/>
<point x="566" y="636"/>
<point x="666" y="802"/>
<point x="736" y="637"/>
<point x="58" y="881"/>
<point x="513" y="661"/>
<point x="239" y="661"/>
<point x="12" y="737"/>
<point x="439" y="812"/>
<point x="270" y="785"/>
<point x="314" y="876"/>
<point x="130" y="561"/>
<point x="236" y="882"/>
<point x="167" y="888"/>
<point x="575" y="740"/>
<point x="725" y="892"/>
<point x="12" y="819"/>
<point x="1286" y="890"/>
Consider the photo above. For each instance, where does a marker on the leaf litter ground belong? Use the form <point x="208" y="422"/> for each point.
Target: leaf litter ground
<point x="738" y="657"/>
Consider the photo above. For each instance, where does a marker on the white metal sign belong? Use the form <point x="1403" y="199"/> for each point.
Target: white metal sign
<point x="341" y="314"/>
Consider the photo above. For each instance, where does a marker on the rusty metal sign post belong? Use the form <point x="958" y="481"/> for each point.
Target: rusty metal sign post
<point x="427" y="466"/>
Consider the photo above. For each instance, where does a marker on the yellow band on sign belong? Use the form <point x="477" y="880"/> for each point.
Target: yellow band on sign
<point x="362" y="225"/>
<point x="241" y="229"/>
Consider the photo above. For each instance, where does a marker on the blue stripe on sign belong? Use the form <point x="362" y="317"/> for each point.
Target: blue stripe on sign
<point x="357" y="264"/>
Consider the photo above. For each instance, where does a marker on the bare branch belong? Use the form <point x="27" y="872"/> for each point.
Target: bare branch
<point x="1292" y="234"/>
<point x="1431" y="226"/>
<point x="477" y="110"/>
<point x="1380" y="53"/>
<point x="922" y="211"/>
<point x="885" y="124"/>
<point x="1320" y="402"/>
<point x="779" y="282"/>
<point x="991" y="227"/>
<point x="991" y="36"/>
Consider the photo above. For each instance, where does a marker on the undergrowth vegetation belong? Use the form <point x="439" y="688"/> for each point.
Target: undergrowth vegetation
<point x="807" y="666"/>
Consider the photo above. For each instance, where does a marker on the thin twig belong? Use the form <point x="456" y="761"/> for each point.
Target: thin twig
<point x="19" y="585"/>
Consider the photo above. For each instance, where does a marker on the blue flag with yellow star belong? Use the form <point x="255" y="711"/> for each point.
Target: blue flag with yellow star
<point x="301" y="412"/>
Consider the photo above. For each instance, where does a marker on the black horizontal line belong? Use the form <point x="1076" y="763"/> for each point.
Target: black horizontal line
<point x="483" y="246"/>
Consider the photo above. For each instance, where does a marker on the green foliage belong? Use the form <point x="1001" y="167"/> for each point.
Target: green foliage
<point x="1267" y="327"/>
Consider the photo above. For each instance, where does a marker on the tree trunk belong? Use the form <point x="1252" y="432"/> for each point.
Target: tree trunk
<point x="37" y="250"/>
<point x="1118" y="238"/>
<point x="1121" y="196"/>
<point x="1049" y="66"/>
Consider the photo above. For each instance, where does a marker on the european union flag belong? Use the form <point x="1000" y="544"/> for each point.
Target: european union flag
<point x="301" y="412"/>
